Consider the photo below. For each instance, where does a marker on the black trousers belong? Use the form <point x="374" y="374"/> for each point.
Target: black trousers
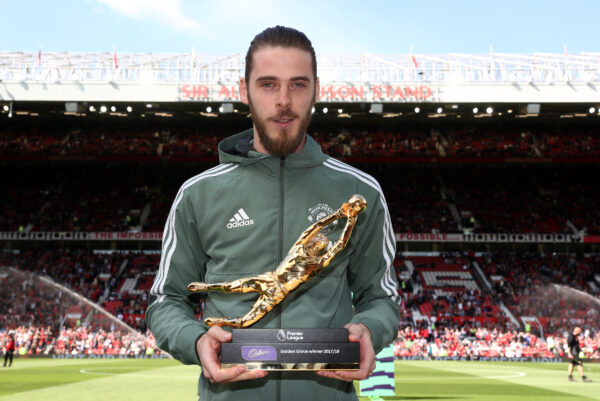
<point x="7" y="355"/>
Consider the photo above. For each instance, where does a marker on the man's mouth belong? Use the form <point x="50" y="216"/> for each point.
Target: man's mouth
<point x="284" y="122"/>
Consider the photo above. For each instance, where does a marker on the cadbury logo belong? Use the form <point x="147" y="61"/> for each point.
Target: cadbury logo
<point x="257" y="353"/>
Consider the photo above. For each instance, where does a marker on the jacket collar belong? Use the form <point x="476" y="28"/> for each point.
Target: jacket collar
<point x="232" y="149"/>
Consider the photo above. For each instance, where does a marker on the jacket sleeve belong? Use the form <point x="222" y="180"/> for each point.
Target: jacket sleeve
<point x="371" y="275"/>
<point x="170" y="314"/>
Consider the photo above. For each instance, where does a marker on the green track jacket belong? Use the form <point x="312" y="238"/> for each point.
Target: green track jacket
<point x="239" y="219"/>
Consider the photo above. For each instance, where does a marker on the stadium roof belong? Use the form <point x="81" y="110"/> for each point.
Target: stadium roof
<point x="370" y="78"/>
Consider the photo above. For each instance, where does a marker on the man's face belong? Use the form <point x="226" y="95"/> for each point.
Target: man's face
<point x="280" y="93"/>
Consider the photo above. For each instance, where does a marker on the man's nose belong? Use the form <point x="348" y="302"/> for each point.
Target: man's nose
<point x="283" y="99"/>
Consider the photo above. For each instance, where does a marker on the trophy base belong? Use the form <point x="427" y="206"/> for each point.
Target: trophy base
<point x="295" y="366"/>
<point x="291" y="349"/>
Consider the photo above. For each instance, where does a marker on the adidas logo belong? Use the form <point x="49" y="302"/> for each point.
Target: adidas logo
<point x="240" y="219"/>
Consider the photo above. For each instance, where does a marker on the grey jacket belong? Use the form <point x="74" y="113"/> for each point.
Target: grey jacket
<point x="239" y="219"/>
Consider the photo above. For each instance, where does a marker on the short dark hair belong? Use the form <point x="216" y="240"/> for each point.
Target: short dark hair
<point x="281" y="36"/>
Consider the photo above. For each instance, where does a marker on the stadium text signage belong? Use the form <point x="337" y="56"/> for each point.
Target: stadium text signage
<point x="81" y="236"/>
<point x="400" y="237"/>
<point x="486" y="359"/>
<point x="497" y="238"/>
<point x="348" y="92"/>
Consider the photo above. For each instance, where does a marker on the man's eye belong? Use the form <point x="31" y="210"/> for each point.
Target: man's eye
<point x="268" y="85"/>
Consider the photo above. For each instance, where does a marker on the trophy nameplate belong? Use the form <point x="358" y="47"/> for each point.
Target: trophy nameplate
<point x="301" y="349"/>
<point x="291" y="349"/>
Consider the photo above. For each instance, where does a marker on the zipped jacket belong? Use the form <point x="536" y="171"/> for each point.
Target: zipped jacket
<point x="239" y="219"/>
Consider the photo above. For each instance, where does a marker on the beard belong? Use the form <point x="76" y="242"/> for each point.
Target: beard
<point x="286" y="141"/>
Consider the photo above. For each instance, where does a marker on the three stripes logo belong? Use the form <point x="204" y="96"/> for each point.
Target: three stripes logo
<point x="240" y="219"/>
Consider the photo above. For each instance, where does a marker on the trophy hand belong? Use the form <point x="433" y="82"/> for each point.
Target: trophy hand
<point x="198" y="287"/>
<point x="356" y="205"/>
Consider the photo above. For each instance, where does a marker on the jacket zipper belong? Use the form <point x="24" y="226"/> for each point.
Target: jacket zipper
<point x="280" y="254"/>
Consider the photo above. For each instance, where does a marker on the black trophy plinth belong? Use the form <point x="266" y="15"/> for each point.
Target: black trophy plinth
<point x="291" y="349"/>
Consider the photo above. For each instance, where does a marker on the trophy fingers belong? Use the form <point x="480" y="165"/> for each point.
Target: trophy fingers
<point x="197" y="287"/>
<point x="358" y="203"/>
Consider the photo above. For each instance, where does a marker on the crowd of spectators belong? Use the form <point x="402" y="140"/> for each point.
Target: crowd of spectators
<point x="469" y="341"/>
<point x="110" y="142"/>
<point x="553" y="291"/>
<point x="556" y="289"/>
<point x="570" y="144"/>
<point x="88" y="198"/>
<point x="425" y="199"/>
<point x="559" y="288"/>
<point x="97" y="276"/>
<point x="369" y="141"/>
<point x="489" y="143"/>
<point x="37" y="340"/>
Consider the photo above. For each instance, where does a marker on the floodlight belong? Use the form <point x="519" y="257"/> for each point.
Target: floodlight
<point x="376" y="108"/>
<point x="226" y="108"/>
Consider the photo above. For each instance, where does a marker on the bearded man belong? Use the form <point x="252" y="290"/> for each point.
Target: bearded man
<point x="239" y="218"/>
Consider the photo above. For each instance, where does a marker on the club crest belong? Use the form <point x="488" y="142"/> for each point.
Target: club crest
<point x="319" y="211"/>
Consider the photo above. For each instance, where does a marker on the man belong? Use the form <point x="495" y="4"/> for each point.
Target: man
<point x="574" y="350"/>
<point x="9" y="350"/>
<point x="240" y="218"/>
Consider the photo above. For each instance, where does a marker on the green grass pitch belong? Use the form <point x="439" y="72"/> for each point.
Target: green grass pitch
<point x="154" y="379"/>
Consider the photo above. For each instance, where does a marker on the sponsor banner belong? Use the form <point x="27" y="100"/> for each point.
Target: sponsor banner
<point x="427" y="237"/>
<point x="490" y="359"/>
<point x="80" y="236"/>
<point x="591" y="239"/>
<point x="492" y="238"/>
<point x="161" y="355"/>
<point x="400" y="237"/>
<point x="333" y="92"/>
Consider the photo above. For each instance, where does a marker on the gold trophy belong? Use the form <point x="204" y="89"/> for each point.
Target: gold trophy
<point x="308" y="256"/>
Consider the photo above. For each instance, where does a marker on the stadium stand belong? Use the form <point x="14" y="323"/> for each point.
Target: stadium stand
<point x="159" y="142"/>
<point x="70" y="170"/>
<point x="455" y="199"/>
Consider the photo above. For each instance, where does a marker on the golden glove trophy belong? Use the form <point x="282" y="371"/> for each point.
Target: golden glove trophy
<point x="310" y="349"/>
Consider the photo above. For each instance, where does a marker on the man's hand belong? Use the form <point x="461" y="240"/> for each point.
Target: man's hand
<point x="209" y="348"/>
<point x="358" y="333"/>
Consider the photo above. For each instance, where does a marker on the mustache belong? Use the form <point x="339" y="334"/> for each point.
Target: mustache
<point x="285" y="113"/>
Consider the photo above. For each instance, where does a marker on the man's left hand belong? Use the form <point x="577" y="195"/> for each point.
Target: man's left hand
<point x="358" y="333"/>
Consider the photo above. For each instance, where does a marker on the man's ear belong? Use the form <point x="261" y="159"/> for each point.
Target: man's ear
<point x="243" y="91"/>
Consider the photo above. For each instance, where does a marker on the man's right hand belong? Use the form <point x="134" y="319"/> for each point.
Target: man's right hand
<point x="208" y="348"/>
